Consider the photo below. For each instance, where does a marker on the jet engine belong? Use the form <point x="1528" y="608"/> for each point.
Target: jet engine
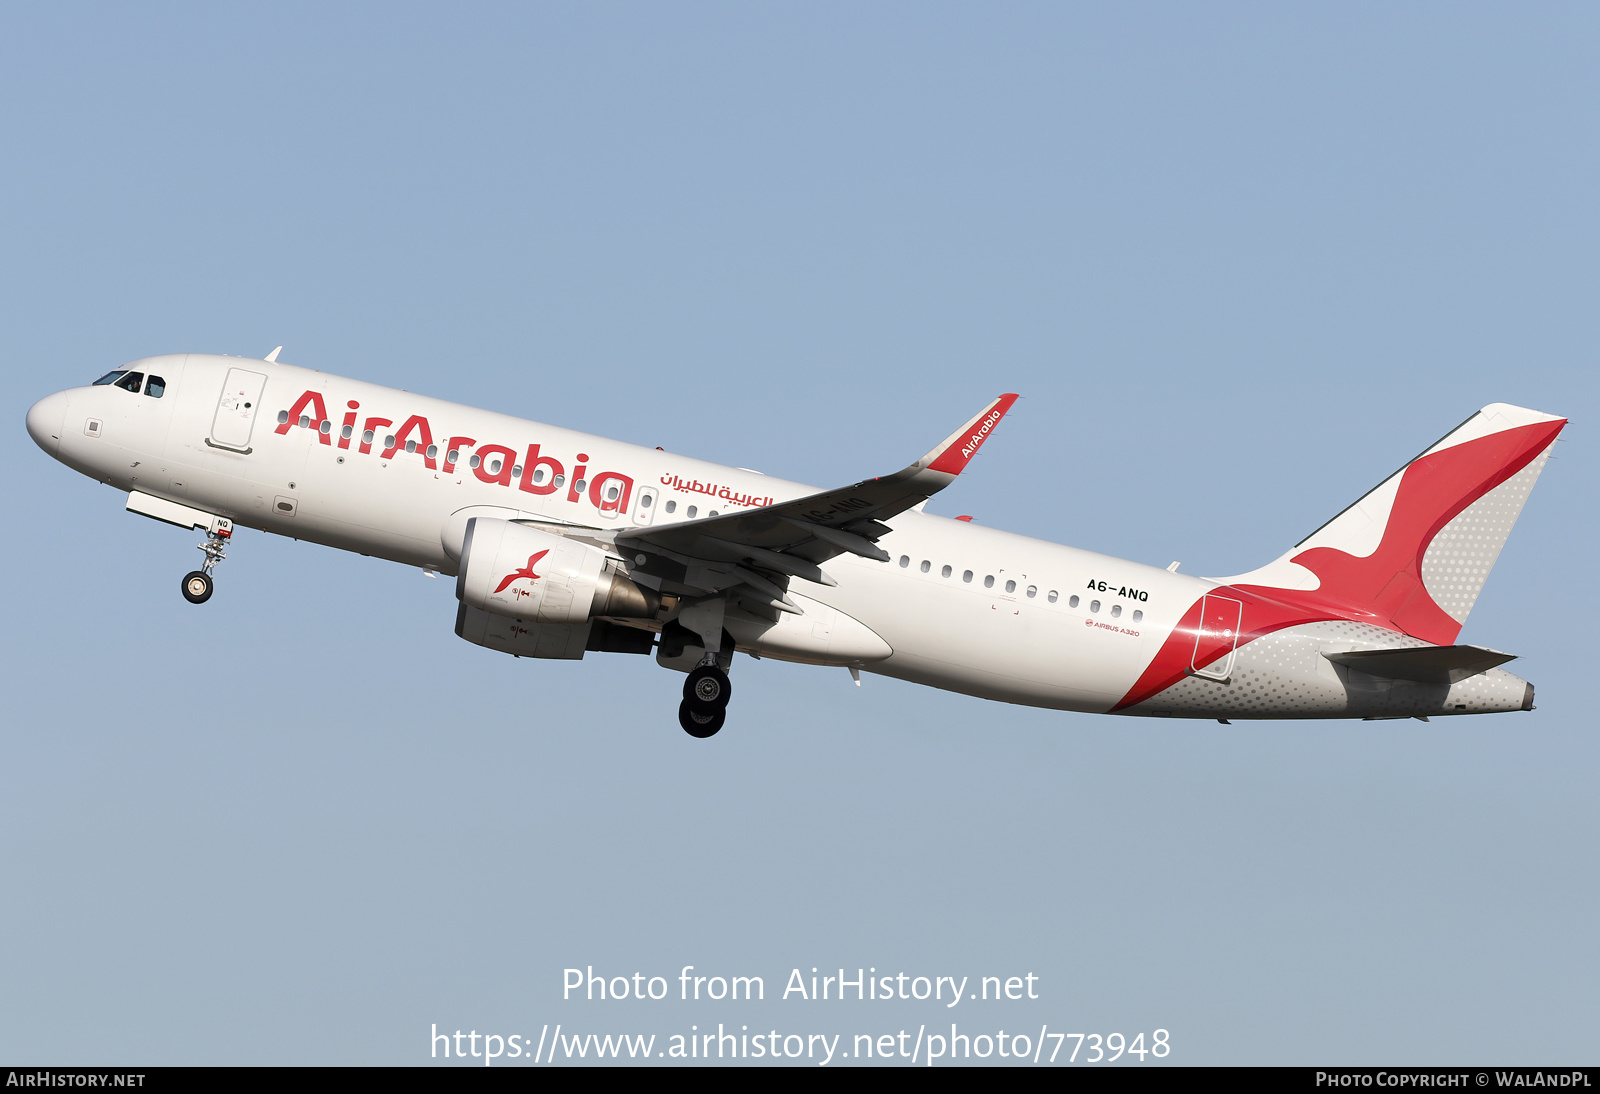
<point x="512" y="570"/>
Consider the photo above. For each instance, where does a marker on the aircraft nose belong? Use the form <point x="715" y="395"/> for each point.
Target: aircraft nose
<point x="44" y="421"/>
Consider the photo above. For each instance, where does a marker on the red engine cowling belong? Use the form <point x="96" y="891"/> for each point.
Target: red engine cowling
<point x="513" y="570"/>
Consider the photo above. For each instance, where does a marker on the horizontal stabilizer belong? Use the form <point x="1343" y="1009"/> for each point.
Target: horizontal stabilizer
<point x="1427" y="664"/>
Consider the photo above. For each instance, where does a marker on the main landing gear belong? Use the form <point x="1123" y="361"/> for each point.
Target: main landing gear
<point x="706" y="692"/>
<point x="197" y="584"/>
<point x="705" y="700"/>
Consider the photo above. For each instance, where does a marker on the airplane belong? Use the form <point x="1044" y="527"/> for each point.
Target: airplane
<point x="564" y="543"/>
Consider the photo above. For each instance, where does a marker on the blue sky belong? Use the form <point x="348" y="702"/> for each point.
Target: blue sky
<point x="1241" y="260"/>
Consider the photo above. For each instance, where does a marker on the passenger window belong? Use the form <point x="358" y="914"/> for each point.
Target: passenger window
<point x="367" y="435"/>
<point x="1011" y="586"/>
<point x="538" y="476"/>
<point x="494" y="468"/>
<point x="905" y="560"/>
<point x="325" y="427"/>
<point x="346" y="431"/>
<point x="583" y="484"/>
<point x="109" y="378"/>
<point x="712" y="513"/>
<point x="472" y="463"/>
<point x="612" y="491"/>
<point x="557" y="481"/>
<point x="1073" y="603"/>
<point x="1033" y="590"/>
<point x="283" y="417"/>
<point x="1138" y="616"/>
<point x="966" y="575"/>
<point x="1094" y="605"/>
<point x="988" y="581"/>
<point x="1116" y="611"/>
<point x="130" y="381"/>
<point x="693" y="509"/>
<point x="1054" y="595"/>
<point x="944" y="572"/>
<point x="156" y="387"/>
<point x="672" y="506"/>
<point x="926" y="565"/>
<point x="516" y="472"/>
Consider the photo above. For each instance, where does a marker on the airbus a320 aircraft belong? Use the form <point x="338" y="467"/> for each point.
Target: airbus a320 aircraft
<point x="563" y="543"/>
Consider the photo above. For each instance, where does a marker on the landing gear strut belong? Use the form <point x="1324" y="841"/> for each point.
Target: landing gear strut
<point x="705" y="700"/>
<point x="706" y="692"/>
<point x="197" y="584"/>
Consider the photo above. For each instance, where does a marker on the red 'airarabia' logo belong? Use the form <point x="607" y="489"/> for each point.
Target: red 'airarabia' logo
<point x="526" y="571"/>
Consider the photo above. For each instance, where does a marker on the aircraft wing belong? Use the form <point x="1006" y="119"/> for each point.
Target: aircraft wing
<point x="760" y="547"/>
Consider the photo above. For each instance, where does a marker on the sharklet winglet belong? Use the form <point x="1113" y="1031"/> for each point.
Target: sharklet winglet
<point x="957" y="450"/>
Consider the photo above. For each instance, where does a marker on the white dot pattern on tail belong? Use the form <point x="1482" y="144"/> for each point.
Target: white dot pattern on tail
<point x="1460" y="557"/>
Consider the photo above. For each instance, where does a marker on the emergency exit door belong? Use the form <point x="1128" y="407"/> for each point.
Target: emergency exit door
<point x="1216" y="636"/>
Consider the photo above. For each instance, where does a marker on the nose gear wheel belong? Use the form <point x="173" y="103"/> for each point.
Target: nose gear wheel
<point x="197" y="586"/>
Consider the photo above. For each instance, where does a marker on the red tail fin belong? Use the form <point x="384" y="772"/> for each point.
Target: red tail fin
<point x="1412" y="554"/>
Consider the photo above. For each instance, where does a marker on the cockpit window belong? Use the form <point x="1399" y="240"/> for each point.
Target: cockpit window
<point x="156" y="388"/>
<point x="109" y="377"/>
<point x="130" y="382"/>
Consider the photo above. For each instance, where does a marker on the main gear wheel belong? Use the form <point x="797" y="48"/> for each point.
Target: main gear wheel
<point x="707" y="689"/>
<point x="696" y="724"/>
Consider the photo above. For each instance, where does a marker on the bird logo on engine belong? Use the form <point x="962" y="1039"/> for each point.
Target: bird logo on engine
<point x="526" y="571"/>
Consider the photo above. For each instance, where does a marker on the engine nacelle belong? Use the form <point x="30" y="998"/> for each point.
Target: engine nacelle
<point x="558" y="641"/>
<point x="513" y="570"/>
<point x="551" y="641"/>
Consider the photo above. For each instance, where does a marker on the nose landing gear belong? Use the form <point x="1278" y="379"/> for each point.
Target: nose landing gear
<point x="197" y="584"/>
<point x="705" y="700"/>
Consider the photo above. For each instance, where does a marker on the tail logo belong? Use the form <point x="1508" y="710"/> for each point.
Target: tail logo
<point x="1386" y="586"/>
<point x="1383" y="588"/>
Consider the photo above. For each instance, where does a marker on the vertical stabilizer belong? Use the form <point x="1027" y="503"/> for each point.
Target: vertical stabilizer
<point x="1413" y="553"/>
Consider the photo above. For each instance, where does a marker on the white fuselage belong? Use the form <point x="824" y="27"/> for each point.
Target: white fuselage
<point x="960" y="606"/>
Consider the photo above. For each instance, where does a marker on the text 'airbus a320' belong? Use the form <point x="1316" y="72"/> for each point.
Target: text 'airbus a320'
<point x="563" y="543"/>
